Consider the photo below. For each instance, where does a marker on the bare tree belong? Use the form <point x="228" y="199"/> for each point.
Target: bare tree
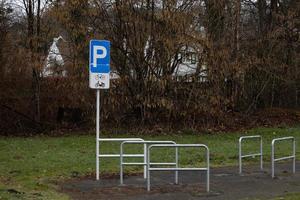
<point x="33" y="13"/>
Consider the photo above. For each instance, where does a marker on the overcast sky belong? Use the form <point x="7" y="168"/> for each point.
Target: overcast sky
<point x="18" y="5"/>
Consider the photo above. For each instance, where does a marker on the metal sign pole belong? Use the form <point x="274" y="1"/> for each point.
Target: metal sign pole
<point x="97" y="133"/>
<point x="99" y="69"/>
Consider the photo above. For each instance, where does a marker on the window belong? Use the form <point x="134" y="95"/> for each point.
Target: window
<point x="193" y="58"/>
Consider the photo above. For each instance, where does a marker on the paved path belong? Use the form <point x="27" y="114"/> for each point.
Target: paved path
<point x="225" y="184"/>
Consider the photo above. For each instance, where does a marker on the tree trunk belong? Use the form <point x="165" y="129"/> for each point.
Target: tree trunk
<point x="261" y="15"/>
<point x="32" y="38"/>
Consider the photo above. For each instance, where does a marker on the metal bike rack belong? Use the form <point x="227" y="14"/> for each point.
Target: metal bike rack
<point x="283" y="158"/>
<point x="176" y="146"/>
<point x="98" y="155"/>
<point x="146" y="143"/>
<point x="241" y="156"/>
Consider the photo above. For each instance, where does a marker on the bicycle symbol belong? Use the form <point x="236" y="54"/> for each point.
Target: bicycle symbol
<point x="100" y="84"/>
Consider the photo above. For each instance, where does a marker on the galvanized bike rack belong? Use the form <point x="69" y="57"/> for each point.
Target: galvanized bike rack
<point x="146" y="143"/>
<point x="283" y="158"/>
<point x="176" y="169"/>
<point x="98" y="155"/>
<point x="250" y="155"/>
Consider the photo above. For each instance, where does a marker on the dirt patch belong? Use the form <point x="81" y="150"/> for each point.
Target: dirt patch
<point x="226" y="183"/>
<point x="272" y="117"/>
<point x="227" y="122"/>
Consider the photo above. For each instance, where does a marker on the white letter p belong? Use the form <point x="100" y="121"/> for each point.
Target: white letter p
<point x="98" y="56"/>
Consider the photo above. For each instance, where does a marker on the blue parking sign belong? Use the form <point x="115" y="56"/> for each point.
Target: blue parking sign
<point x="99" y="56"/>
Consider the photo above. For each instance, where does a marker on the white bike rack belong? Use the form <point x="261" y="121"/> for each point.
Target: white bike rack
<point x="176" y="169"/>
<point x="241" y="156"/>
<point x="147" y="143"/>
<point x="99" y="155"/>
<point x="293" y="156"/>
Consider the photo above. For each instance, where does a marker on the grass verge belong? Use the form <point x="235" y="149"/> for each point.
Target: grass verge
<point x="30" y="167"/>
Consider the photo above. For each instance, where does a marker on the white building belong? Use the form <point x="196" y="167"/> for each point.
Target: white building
<point x="189" y="65"/>
<point x="186" y="69"/>
<point x="54" y="65"/>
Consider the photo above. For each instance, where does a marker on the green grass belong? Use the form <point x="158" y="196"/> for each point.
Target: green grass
<point x="289" y="197"/>
<point x="29" y="167"/>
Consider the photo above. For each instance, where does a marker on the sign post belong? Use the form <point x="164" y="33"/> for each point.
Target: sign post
<point x="99" y="69"/>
